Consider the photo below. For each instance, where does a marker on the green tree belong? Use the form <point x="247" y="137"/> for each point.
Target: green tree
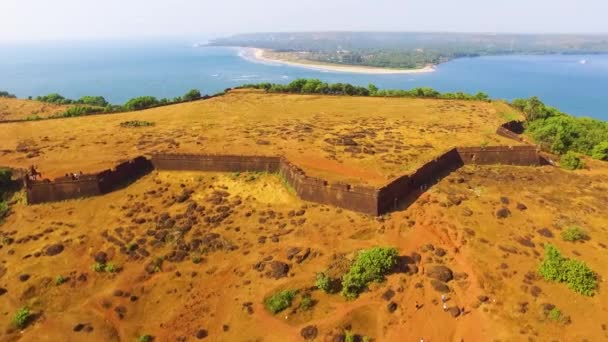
<point x="370" y="265"/>
<point x="571" y="161"/>
<point x="193" y="94"/>
<point x="600" y="151"/>
<point x="98" y="101"/>
<point x="142" y="102"/>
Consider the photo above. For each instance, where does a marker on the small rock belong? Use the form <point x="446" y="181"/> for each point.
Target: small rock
<point x="440" y="272"/>
<point x="24" y="277"/>
<point x="391" y="307"/>
<point x="78" y="327"/>
<point x="545" y="232"/>
<point x="54" y="249"/>
<point x="504" y="200"/>
<point x="439" y="286"/>
<point x="454" y="311"/>
<point x="101" y="257"/>
<point x="483" y="298"/>
<point x="503" y="213"/>
<point x="521" y="206"/>
<point x="388" y="295"/>
<point x="201" y="334"/>
<point x="309" y="332"/>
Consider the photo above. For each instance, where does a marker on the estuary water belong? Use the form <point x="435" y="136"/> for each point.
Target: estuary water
<point x="575" y="84"/>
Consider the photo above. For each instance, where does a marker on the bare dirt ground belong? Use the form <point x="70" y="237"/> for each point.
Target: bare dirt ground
<point x="360" y="140"/>
<point x="228" y="241"/>
<point x="17" y="109"/>
<point x="198" y="253"/>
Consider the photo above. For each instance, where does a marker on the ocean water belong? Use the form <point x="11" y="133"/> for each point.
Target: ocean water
<point x="118" y="71"/>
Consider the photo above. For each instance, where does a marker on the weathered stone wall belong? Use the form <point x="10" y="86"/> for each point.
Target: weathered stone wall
<point x="87" y="185"/>
<point x="506" y="155"/>
<point x="511" y="130"/>
<point x="62" y="189"/>
<point x="362" y="199"/>
<point x="217" y="163"/>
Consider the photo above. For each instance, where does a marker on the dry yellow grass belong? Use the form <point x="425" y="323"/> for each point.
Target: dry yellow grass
<point x="18" y="109"/>
<point x="351" y="139"/>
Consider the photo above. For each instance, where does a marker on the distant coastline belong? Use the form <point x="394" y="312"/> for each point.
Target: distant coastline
<point x="261" y="56"/>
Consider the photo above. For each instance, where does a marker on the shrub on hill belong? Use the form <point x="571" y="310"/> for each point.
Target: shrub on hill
<point x="98" y="101"/>
<point x="560" y="132"/>
<point x="576" y="274"/>
<point x="573" y="234"/>
<point x="7" y="95"/>
<point x="22" y="317"/>
<point x="279" y="301"/>
<point x="571" y="161"/>
<point x="370" y="265"/>
<point x="600" y="151"/>
<point x="54" y="98"/>
<point x="136" y="123"/>
<point x="315" y="86"/>
<point x="78" y="111"/>
<point x="192" y="95"/>
<point x="141" y="102"/>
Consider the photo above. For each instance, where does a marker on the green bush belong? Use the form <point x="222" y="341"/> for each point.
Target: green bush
<point x="576" y="274"/>
<point x="193" y="94"/>
<point x="573" y="234"/>
<point x="571" y="161"/>
<point x="555" y="315"/>
<point x="144" y="338"/>
<point x="136" y="123"/>
<point x="323" y="282"/>
<point x="54" y="98"/>
<point x="78" y="111"/>
<point x="21" y="317"/>
<point x="7" y="94"/>
<point x="98" y="101"/>
<point x="600" y="151"/>
<point x="142" y="102"/>
<point x="4" y="210"/>
<point x="370" y="265"/>
<point x="279" y="301"/>
<point x="6" y="176"/>
<point x="306" y="303"/>
<point x="60" y="280"/>
<point x="349" y="336"/>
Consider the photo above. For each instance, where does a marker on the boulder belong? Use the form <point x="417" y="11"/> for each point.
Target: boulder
<point x="440" y="272"/>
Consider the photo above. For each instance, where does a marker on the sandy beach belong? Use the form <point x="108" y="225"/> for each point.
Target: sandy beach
<point x="261" y="56"/>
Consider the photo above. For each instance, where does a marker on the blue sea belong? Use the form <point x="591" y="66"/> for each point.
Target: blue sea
<point x="575" y="84"/>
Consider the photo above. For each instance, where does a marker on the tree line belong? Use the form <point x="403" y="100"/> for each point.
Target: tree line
<point x="564" y="134"/>
<point x="87" y="105"/>
<point x="315" y="86"/>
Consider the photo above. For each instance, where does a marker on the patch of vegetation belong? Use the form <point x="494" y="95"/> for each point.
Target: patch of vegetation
<point x="136" y="123"/>
<point x="59" y="280"/>
<point x="193" y="94"/>
<point x="575" y="273"/>
<point x="145" y="338"/>
<point x="571" y="161"/>
<point x="279" y="301"/>
<point x="573" y="234"/>
<point x="555" y="314"/>
<point x="141" y="102"/>
<point x="287" y="185"/>
<point x="324" y="282"/>
<point x="76" y="111"/>
<point x="106" y="268"/>
<point x="306" y="303"/>
<point x="349" y="336"/>
<point x="600" y="151"/>
<point x="560" y="132"/>
<point x="22" y="317"/>
<point x="6" y="183"/>
<point x="315" y="86"/>
<point x="6" y="94"/>
<point x="370" y="265"/>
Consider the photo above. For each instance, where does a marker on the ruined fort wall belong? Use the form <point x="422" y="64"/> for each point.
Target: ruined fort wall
<point x="216" y="163"/>
<point x="402" y="187"/>
<point x="357" y="198"/>
<point x="505" y="155"/>
<point x="62" y="189"/>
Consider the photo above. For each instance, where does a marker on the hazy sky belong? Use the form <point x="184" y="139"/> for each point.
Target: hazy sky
<point x="103" y="19"/>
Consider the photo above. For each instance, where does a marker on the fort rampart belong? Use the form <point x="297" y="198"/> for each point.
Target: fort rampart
<point x="364" y="199"/>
